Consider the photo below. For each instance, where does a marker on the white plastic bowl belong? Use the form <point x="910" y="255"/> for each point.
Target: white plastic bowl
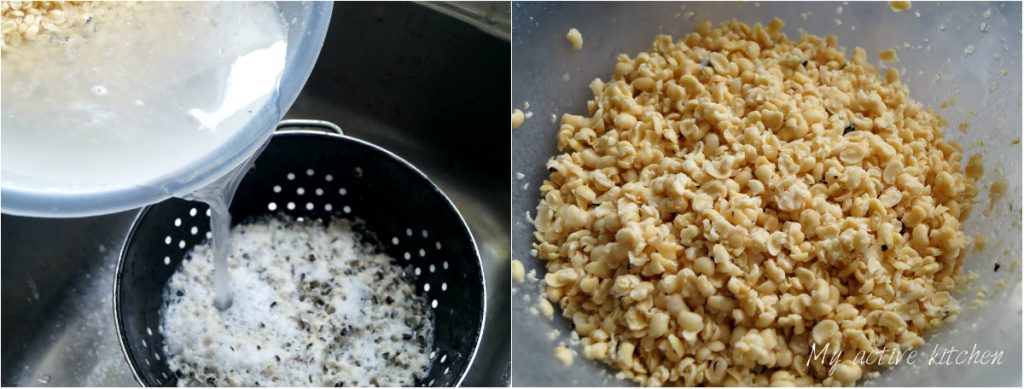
<point x="554" y="80"/>
<point x="306" y="24"/>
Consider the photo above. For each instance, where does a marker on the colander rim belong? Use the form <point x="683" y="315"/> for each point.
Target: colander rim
<point x="118" y="274"/>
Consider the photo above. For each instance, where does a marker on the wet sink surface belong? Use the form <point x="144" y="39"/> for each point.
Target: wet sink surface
<point x="420" y="84"/>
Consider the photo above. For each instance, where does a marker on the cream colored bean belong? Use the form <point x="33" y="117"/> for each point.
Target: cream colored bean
<point x="735" y="195"/>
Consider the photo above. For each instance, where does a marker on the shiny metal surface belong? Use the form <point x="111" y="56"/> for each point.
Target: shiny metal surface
<point x="932" y="37"/>
<point x="425" y="86"/>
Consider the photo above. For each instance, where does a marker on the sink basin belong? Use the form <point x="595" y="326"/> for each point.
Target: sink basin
<point x="426" y="86"/>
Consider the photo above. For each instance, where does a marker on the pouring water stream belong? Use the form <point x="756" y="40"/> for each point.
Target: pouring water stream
<point x="218" y="196"/>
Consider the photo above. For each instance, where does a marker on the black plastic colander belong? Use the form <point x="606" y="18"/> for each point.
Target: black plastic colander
<point x="309" y="173"/>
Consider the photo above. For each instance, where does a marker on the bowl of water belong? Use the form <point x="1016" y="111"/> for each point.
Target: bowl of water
<point x="148" y="101"/>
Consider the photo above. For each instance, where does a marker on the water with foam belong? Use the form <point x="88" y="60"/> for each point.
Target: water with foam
<point x="144" y="91"/>
<point x="147" y="91"/>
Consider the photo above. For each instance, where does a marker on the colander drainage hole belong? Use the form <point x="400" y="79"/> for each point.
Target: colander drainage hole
<point x="149" y="331"/>
<point x="417" y="271"/>
<point x="277" y="188"/>
<point x="423" y="253"/>
<point x="394" y="240"/>
<point x="167" y="240"/>
<point x="194" y="230"/>
<point x="147" y="362"/>
<point x="433" y="303"/>
<point x="432" y="268"/>
<point x="300" y="191"/>
<point x="408" y="231"/>
<point x="144" y="344"/>
<point x="181" y="244"/>
<point x="444" y="286"/>
<point x="358" y="171"/>
<point x="319" y="192"/>
<point x="272" y="206"/>
<point x="437" y="245"/>
<point x="167" y="260"/>
<point x="343" y="191"/>
<point x="309" y="206"/>
<point x="290" y="205"/>
<point x="193" y="212"/>
<point x="407" y="256"/>
<point x="290" y="176"/>
<point x="426" y="287"/>
<point x="445" y="265"/>
<point x="347" y="209"/>
<point x="208" y="212"/>
<point x="177" y="222"/>
<point x="329" y="178"/>
<point x="309" y="172"/>
<point x="444" y="357"/>
<point x="328" y="207"/>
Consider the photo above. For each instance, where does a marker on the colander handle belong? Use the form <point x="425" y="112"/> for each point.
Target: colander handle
<point x="306" y="124"/>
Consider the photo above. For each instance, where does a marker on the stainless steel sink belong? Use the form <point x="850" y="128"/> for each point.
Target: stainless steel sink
<point x="426" y="86"/>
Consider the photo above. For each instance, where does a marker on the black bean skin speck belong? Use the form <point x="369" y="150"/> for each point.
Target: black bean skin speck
<point x="885" y="247"/>
<point x="997" y="267"/>
<point x="804" y="64"/>
<point x="849" y="129"/>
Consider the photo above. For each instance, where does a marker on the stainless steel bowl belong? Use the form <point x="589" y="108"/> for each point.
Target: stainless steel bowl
<point x="554" y="79"/>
